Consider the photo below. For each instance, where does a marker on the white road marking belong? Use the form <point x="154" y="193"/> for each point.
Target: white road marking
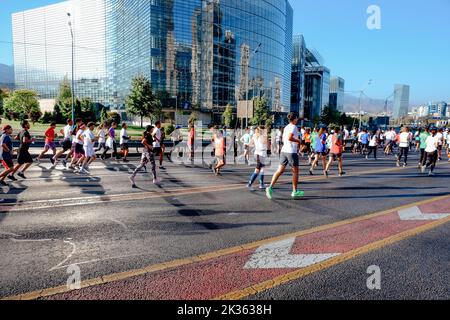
<point x="74" y="249"/>
<point x="10" y="234"/>
<point x="96" y="260"/>
<point x="277" y="255"/>
<point x="415" y="214"/>
<point x="118" y="222"/>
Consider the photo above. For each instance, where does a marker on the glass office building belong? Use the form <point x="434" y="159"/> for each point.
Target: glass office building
<point x="206" y="53"/>
<point x="43" y="48"/>
<point x="401" y="101"/>
<point x="337" y="93"/>
<point x="298" y="74"/>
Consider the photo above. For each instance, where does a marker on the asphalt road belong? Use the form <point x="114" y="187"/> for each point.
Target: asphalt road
<point x="56" y="219"/>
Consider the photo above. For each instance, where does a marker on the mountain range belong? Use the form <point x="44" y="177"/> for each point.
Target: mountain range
<point x="6" y="75"/>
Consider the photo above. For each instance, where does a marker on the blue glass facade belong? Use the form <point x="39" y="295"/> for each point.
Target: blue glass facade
<point x="200" y="50"/>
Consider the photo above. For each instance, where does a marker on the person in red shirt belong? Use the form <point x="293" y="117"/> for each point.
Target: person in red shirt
<point x="337" y="148"/>
<point x="49" y="143"/>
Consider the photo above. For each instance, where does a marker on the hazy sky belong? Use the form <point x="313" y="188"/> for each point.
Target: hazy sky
<point x="412" y="47"/>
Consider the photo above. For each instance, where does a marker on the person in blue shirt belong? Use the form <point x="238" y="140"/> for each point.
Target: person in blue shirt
<point x="320" y="150"/>
<point x="365" y="139"/>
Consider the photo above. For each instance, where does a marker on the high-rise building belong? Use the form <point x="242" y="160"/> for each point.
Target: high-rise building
<point x="298" y="74"/>
<point x="317" y="91"/>
<point x="189" y="49"/>
<point x="401" y="101"/>
<point x="437" y="109"/>
<point x="337" y="93"/>
<point x="43" y="48"/>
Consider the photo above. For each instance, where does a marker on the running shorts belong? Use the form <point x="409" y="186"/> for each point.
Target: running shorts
<point x="291" y="159"/>
<point x="89" y="151"/>
<point x="157" y="151"/>
<point x="124" y="146"/>
<point x="336" y="156"/>
<point x="24" y="157"/>
<point x="66" y="144"/>
<point x="260" y="161"/>
<point x="79" y="150"/>
<point x="8" y="164"/>
<point x="50" y="145"/>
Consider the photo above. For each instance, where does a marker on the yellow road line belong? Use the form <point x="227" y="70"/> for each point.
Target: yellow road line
<point x="220" y="253"/>
<point x="270" y="284"/>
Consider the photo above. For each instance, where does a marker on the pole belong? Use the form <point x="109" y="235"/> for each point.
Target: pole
<point x="360" y="110"/>
<point x="176" y="110"/>
<point x="73" y="80"/>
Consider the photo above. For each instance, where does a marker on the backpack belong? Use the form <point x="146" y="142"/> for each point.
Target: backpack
<point x="1" y="146"/>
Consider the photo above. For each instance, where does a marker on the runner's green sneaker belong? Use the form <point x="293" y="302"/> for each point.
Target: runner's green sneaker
<point x="269" y="193"/>
<point x="297" y="194"/>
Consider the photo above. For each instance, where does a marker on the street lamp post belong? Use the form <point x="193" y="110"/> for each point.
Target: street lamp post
<point x="73" y="80"/>
<point x="176" y="109"/>
<point x="247" y="81"/>
<point x="360" y="103"/>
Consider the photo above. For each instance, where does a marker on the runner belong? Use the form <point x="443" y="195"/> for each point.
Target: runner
<point x="88" y="146"/>
<point x="163" y="149"/>
<point x="219" y="149"/>
<point x="6" y="153"/>
<point x="320" y="150"/>
<point x="79" y="155"/>
<point x="191" y="142"/>
<point x="314" y="138"/>
<point x="422" y="140"/>
<point x="111" y="142"/>
<point x="440" y="139"/>
<point x="404" y="141"/>
<point x="101" y="136"/>
<point x="336" y="150"/>
<point x="259" y="141"/>
<point x="373" y="145"/>
<point x="364" y="140"/>
<point x="66" y="143"/>
<point x="245" y="140"/>
<point x="390" y="137"/>
<point x="147" y="156"/>
<point x="124" y="138"/>
<point x="448" y="147"/>
<point x="78" y="123"/>
<point x="289" y="155"/>
<point x="49" y="143"/>
<point x="279" y="140"/>
<point x="432" y="144"/>
<point x="157" y="140"/>
<point x="24" y="159"/>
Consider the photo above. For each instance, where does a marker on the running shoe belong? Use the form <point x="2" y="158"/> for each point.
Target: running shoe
<point x="133" y="183"/>
<point x="297" y="194"/>
<point x="64" y="162"/>
<point x="342" y="174"/>
<point x="422" y="169"/>
<point x="325" y="173"/>
<point x="311" y="173"/>
<point x="3" y="183"/>
<point x="21" y="175"/>
<point x="431" y="174"/>
<point x="262" y="187"/>
<point x="52" y="161"/>
<point x="38" y="162"/>
<point x="126" y="160"/>
<point x="250" y="188"/>
<point x="269" y="193"/>
<point x="157" y="181"/>
<point x="162" y="168"/>
<point x="398" y="163"/>
<point x="12" y="178"/>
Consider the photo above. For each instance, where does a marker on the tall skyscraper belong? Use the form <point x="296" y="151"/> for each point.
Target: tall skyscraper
<point x="401" y="101"/>
<point x="298" y="74"/>
<point x="337" y="93"/>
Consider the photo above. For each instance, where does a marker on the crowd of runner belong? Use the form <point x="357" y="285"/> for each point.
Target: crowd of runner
<point x="318" y="147"/>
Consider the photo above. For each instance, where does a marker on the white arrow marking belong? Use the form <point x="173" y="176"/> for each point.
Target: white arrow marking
<point x="414" y="214"/>
<point x="277" y="255"/>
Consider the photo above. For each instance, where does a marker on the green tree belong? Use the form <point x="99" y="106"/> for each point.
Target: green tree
<point x="141" y="101"/>
<point x="23" y="104"/>
<point x="261" y="113"/>
<point x="228" y="116"/>
<point x="3" y="95"/>
<point x="103" y="115"/>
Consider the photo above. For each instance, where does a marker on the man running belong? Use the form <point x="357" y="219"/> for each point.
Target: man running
<point x="373" y="145"/>
<point x="404" y="142"/>
<point x="147" y="156"/>
<point x="6" y="155"/>
<point x="78" y="155"/>
<point x="49" y="143"/>
<point x="157" y="138"/>
<point x="424" y="134"/>
<point x="245" y="140"/>
<point x="111" y="142"/>
<point x="289" y="155"/>
<point x="320" y="151"/>
<point x="101" y="136"/>
<point x="88" y="146"/>
<point x="219" y="150"/>
<point x="440" y="139"/>
<point x="66" y="144"/>
<point x="336" y="150"/>
<point x="24" y="159"/>
<point x="431" y="150"/>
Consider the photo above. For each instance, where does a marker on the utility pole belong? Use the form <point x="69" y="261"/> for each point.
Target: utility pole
<point x="73" y="80"/>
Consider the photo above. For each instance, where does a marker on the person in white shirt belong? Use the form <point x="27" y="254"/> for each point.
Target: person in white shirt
<point x="259" y="141"/>
<point x="245" y="140"/>
<point x="101" y="136"/>
<point x="88" y="146"/>
<point x="66" y="142"/>
<point x="448" y="146"/>
<point x="289" y="155"/>
<point x="124" y="138"/>
<point x="373" y="145"/>
<point x="78" y="156"/>
<point x="404" y="143"/>
<point x="440" y="139"/>
<point x="431" y="151"/>
<point x="390" y="138"/>
<point x="279" y="140"/>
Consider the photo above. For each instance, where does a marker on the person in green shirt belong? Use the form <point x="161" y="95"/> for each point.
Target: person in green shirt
<point x="314" y="137"/>
<point x="423" y="138"/>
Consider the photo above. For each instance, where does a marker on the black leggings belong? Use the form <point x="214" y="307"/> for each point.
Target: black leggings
<point x="107" y="149"/>
<point x="403" y="151"/>
<point x="423" y="157"/>
<point x="374" y="150"/>
<point x="432" y="158"/>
